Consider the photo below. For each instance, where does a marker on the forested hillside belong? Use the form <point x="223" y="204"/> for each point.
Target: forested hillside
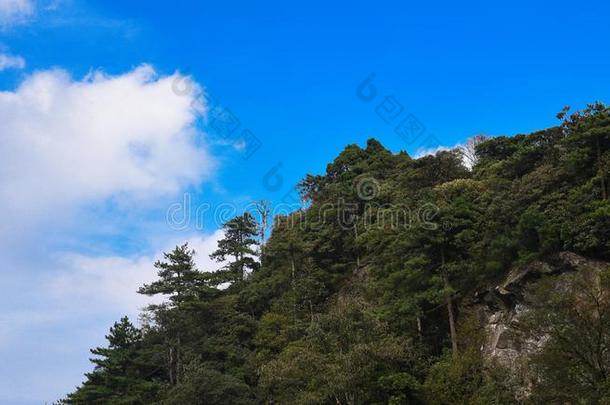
<point x="368" y="294"/>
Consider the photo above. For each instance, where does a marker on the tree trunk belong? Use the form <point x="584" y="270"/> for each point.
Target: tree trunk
<point x="311" y="311"/>
<point x="178" y="365"/>
<point x="356" y="238"/>
<point x="600" y="169"/>
<point x="293" y="285"/>
<point x="172" y="379"/>
<point x="454" y="346"/>
<point x="453" y="332"/>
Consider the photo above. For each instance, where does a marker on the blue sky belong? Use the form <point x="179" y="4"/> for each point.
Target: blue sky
<point x="115" y="113"/>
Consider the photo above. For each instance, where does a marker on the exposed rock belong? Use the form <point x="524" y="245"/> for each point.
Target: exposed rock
<point x="501" y="307"/>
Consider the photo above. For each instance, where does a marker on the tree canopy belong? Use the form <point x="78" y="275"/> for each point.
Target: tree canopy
<point x="364" y="295"/>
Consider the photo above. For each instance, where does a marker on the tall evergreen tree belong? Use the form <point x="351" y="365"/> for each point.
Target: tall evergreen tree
<point x="184" y="285"/>
<point x="119" y="377"/>
<point x="361" y="296"/>
<point x="178" y="277"/>
<point x="238" y="247"/>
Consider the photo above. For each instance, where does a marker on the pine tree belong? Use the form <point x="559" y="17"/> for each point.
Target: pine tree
<point x="239" y="248"/>
<point x="344" y="315"/>
<point x="178" y="277"/>
<point x="185" y="285"/>
<point x="118" y="376"/>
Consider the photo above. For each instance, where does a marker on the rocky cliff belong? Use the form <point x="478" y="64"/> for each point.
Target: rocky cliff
<point x="501" y="308"/>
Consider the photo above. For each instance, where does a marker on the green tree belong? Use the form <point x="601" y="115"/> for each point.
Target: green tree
<point x="361" y="296"/>
<point x="571" y="315"/>
<point x="119" y="377"/>
<point x="204" y="386"/>
<point x="469" y="378"/>
<point x="185" y="286"/>
<point x="179" y="279"/>
<point x="588" y="141"/>
<point x="238" y="247"/>
<point x="346" y="357"/>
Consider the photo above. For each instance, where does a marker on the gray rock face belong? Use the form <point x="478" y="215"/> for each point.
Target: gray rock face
<point x="500" y="309"/>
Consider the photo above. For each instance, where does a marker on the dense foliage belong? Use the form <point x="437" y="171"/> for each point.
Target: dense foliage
<point x="362" y="297"/>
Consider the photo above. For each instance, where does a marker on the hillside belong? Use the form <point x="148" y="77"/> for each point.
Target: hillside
<point x="373" y="292"/>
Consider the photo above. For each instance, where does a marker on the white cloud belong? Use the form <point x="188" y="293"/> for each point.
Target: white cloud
<point x="15" y="11"/>
<point x="203" y="246"/>
<point x="421" y="152"/>
<point x="89" y="284"/>
<point x="66" y="143"/>
<point x="70" y="308"/>
<point x="11" y="62"/>
<point x="467" y="150"/>
<point x="76" y="156"/>
<point x="76" y="287"/>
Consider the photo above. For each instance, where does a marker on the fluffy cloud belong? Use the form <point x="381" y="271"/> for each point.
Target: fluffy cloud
<point x="11" y="62"/>
<point x="421" y="152"/>
<point x="467" y="150"/>
<point x="86" y="164"/>
<point x="15" y="11"/>
<point x="68" y="145"/>
<point x="89" y="284"/>
<point x="70" y="308"/>
<point x="65" y="143"/>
